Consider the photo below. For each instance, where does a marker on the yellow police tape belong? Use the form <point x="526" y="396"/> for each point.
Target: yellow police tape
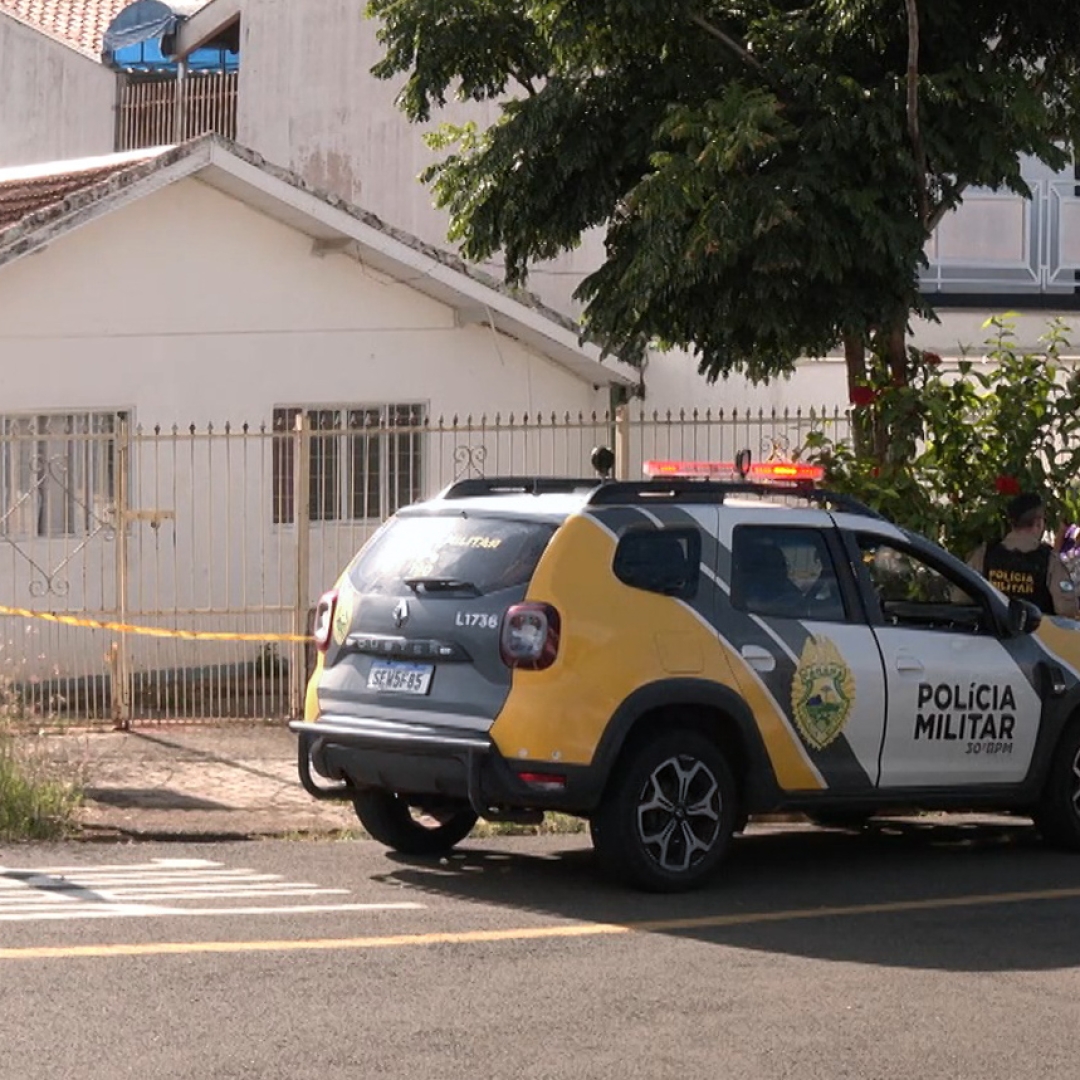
<point x="148" y="631"/>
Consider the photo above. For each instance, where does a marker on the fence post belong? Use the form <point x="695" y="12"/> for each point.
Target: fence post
<point x="302" y="519"/>
<point x="119" y="667"/>
<point x="622" y="442"/>
<point x="180" y="104"/>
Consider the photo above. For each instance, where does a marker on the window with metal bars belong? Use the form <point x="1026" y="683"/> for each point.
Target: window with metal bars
<point x="366" y="461"/>
<point x="57" y="473"/>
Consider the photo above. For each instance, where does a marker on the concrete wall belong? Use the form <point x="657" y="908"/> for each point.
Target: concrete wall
<point x="309" y="101"/>
<point x="54" y="102"/>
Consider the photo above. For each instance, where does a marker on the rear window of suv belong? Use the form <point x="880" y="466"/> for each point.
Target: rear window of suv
<point x="481" y="554"/>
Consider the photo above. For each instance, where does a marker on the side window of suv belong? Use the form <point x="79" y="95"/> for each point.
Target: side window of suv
<point x="785" y="573"/>
<point x="913" y="593"/>
<point x="666" y="561"/>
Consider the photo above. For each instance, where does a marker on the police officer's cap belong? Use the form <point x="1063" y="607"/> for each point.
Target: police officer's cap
<point x="1023" y="504"/>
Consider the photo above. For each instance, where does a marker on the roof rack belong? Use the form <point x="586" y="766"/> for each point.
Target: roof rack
<point x="475" y="486"/>
<point x="687" y="489"/>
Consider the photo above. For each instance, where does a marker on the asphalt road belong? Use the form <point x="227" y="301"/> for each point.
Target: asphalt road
<point x="911" y="952"/>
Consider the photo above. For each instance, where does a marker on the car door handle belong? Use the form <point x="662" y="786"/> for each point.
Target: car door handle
<point x="908" y="665"/>
<point x="758" y="658"/>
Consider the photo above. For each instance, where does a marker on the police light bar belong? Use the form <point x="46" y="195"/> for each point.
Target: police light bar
<point x="760" y="472"/>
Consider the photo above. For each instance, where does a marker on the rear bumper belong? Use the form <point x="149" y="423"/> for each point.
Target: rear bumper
<point x="420" y="760"/>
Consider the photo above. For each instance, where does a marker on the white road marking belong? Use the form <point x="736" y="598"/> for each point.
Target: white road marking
<point x="143" y="911"/>
<point x="157" y="864"/>
<point x="56" y="893"/>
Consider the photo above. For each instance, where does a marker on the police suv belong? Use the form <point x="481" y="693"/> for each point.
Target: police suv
<point x="667" y="657"/>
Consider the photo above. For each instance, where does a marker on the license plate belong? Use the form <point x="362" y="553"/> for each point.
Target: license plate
<point x="399" y="677"/>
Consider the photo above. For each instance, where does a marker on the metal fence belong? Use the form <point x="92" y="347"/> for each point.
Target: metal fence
<point x="238" y="530"/>
<point x="153" y="110"/>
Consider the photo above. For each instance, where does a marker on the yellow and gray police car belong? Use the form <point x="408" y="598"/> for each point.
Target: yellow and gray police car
<point x="667" y="657"/>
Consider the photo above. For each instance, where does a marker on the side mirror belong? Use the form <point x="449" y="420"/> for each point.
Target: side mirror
<point x="1024" y="617"/>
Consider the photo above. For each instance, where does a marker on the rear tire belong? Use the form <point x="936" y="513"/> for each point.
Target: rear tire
<point x="669" y="814"/>
<point x="1058" y="812"/>
<point x="388" y="817"/>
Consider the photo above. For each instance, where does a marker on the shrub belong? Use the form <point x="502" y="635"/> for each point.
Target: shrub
<point x="34" y="803"/>
<point x="944" y="453"/>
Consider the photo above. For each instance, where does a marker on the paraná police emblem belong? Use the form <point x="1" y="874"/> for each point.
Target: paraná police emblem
<point x="822" y="693"/>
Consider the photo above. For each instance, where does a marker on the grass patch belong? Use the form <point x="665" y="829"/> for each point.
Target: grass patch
<point x="553" y="825"/>
<point x="34" y="803"/>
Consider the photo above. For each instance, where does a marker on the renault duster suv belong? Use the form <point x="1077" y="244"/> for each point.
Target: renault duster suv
<point x="665" y="658"/>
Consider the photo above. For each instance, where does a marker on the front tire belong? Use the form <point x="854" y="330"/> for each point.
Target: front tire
<point x="1058" y="813"/>
<point x="389" y="818"/>
<point x="668" y="817"/>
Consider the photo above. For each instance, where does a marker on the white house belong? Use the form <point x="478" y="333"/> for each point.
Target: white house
<point x="199" y="286"/>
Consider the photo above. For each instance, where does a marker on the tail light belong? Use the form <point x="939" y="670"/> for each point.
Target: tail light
<point x="529" y="637"/>
<point x="323" y="629"/>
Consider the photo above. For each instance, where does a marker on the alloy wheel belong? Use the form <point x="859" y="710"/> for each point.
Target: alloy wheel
<point x="679" y="813"/>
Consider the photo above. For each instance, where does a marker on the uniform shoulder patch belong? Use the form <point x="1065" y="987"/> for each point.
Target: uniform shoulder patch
<point x="822" y="692"/>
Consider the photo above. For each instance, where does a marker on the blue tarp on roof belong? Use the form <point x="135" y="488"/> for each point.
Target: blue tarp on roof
<point x="146" y="20"/>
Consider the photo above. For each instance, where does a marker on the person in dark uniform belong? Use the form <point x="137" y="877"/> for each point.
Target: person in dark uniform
<point x="1024" y="565"/>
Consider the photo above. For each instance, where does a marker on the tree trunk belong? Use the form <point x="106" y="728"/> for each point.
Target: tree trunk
<point x="896" y="441"/>
<point x="896" y="354"/>
<point x="855" y="359"/>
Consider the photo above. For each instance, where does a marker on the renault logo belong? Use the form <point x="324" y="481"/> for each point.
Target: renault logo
<point x="401" y="613"/>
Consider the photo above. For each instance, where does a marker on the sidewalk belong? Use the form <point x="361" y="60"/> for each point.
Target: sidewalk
<point x="237" y="781"/>
<point x="205" y="782"/>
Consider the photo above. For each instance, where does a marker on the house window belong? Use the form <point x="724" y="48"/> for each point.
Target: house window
<point x="366" y="461"/>
<point x="57" y="473"/>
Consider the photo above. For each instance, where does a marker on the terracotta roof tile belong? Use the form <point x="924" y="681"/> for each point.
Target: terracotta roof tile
<point x="25" y="191"/>
<point x="78" y="23"/>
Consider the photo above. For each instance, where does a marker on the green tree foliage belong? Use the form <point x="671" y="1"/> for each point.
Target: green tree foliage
<point x="964" y="442"/>
<point x="767" y="172"/>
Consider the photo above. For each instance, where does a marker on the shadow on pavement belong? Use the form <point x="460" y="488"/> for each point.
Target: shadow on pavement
<point x="159" y="798"/>
<point x="966" y="896"/>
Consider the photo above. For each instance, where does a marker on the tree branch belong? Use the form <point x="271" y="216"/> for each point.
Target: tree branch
<point x="934" y="220"/>
<point x="917" y="149"/>
<point x="524" y="82"/>
<point x="729" y="42"/>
